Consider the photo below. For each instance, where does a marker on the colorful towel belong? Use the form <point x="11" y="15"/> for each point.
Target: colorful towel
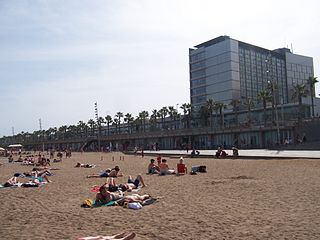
<point x="89" y="203"/>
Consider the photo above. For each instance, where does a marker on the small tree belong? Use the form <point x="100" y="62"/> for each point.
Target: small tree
<point x="312" y="81"/>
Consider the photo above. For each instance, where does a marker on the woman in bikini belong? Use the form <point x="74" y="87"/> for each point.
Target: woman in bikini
<point x="104" y="196"/>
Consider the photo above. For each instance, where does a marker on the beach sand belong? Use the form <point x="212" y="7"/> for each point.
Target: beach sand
<point x="235" y="199"/>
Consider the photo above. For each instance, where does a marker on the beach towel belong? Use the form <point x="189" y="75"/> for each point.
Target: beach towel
<point x="89" y="203"/>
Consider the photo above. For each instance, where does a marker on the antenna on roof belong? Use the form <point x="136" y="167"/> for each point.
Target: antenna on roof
<point x="291" y="48"/>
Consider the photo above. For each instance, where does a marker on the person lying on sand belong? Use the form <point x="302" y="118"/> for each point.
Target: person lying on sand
<point x="108" y="173"/>
<point x="104" y="196"/>
<point x="39" y="174"/>
<point x="153" y="168"/>
<point x="85" y="165"/>
<point x="121" y="236"/>
<point x="12" y="181"/>
<point x="132" y="184"/>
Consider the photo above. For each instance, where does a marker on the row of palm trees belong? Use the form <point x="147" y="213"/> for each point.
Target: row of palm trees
<point x="210" y="114"/>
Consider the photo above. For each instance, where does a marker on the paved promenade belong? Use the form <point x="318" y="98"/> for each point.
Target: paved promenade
<point x="259" y="153"/>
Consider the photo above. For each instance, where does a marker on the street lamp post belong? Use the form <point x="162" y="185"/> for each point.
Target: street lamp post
<point x="42" y="137"/>
<point x="272" y="85"/>
<point x="98" y="123"/>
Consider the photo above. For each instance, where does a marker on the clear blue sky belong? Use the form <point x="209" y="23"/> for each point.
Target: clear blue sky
<point x="58" y="57"/>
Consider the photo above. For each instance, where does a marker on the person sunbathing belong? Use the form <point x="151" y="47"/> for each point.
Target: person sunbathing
<point x="153" y="168"/>
<point x="121" y="236"/>
<point x="40" y="175"/>
<point x="105" y="196"/>
<point x="85" y="165"/>
<point x="132" y="184"/>
<point x="12" y="181"/>
<point x="108" y="173"/>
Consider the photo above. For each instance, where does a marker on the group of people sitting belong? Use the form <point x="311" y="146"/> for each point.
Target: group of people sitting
<point x="33" y="160"/>
<point x="162" y="168"/>
<point x="221" y="153"/>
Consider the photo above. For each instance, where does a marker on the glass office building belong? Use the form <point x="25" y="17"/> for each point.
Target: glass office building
<point x="224" y="69"/>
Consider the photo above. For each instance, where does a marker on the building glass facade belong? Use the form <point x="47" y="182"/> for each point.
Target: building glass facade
<point x="224" y="69"/>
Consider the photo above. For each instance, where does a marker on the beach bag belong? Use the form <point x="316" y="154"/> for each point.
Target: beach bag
<point x="88" y="203"/>
<point x="202" y="169"/>
<point x="133" y="205"/>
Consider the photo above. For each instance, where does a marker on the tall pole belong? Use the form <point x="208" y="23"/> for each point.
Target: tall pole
<point x="272" y="84"/>
<point x="98" y="123"/>
<point x="277" y="117"/>
<point x="40" y="125"/>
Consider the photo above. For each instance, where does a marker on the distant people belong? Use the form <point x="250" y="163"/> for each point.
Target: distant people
<point x="235" y="152"/>
<point x="10" y="158"/>
<point x="84" y="165"/>
<point x="218" y="152"/>
<point x="153" y="168"/>
<point x="223" y="154"/>
<point x="59" y="155"/>
<point x="304" y="138"/>
<point x="19" y="159"/>
<point x="158" y="159"/>
<point x="194" y="153"/>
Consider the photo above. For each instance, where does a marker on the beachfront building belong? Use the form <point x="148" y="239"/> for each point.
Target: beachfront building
<point x="240" y="95"/>
<point x="224" y="69"/>
<point x="263" y="82"/>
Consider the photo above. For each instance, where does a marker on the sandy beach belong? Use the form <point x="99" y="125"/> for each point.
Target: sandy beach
<point x="235" y="199"/>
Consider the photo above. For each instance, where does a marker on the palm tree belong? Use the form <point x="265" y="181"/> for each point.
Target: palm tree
<point x="119" y="115"/>
<point x="92" y="125"/>
<point x="100" y="123"/>
<point x="62" y="131"/>
<point x="186" y="107"/>
<point x="163" y="113"/>
<point x="249" y="104"/>
<point x="312" y="81"/>
<point x="128" y="119"/>
<point x="108" y="121"/>
<point x="264" y="96"/>
<point x="82" y="127"/>
<point x="173" y="114"/>
<point x="235" y="103"/>
<point x="210" y="107"/>
<point x="143" y="116"/>
<point x="153" y="117"/>
<point x="221" y="106"/>
<point x="203" y="112"/>
<point x="299" y="91"/>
